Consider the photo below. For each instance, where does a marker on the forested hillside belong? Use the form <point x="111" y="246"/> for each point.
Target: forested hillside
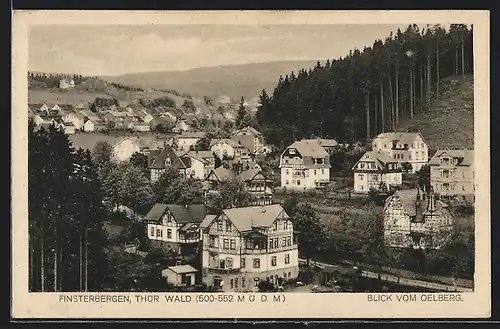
<point x="450" y="122"/>
<point x="370" y="90"/>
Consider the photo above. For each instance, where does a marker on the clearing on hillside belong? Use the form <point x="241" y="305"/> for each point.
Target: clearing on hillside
<point x="450" y="122"/>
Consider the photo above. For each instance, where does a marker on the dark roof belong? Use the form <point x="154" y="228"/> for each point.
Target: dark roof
<point x="182" y="214"/>
<point x="247" y="218"/>
<point x="156" y="159"/>
<point x="415" y="203"/>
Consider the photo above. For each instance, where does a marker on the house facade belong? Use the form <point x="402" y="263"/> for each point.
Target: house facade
<point x="186" y="140"/>
<point x="160" y="160"/>
<point x="452" y="174"/>
<point x="66" y="84"/>
<point x="413" y="218"/>
<point x="404" y="147"/>
<point x="228" y="148"/>
<point x="374" y="170"/>
<point x="123" y="149"/>
<point x="174" y="227"/>
<point x="253" y="181"/>
<point x="201" y="163"/>
<point x="76" y="118"/>
<point x="304" y="165"/>
<point x="251" y="139"/>
<point x="244" y="246"/>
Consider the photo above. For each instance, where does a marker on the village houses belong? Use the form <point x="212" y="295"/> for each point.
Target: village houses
<point x="376" y="170"/>
<point x="175" y="227"/>
<point x="253" y="181"/>
<point x="201" y="163"/>
<point x="66" y="84"/>
<point x="251" y="139"/>
<point x="414" y="218"/>
<point x="404" y="147"/>
<point x="245" y="246"/>
<point x="305" y="165"/>
<point x="452" y="174"/>
<point x="228" y="148"/>
<point x="187" y="139"/>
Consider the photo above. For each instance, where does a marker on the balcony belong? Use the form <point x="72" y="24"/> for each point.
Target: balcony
<point x="254" y="251"/>
<point x="221" y="250"/>
<point x="224" y="270"/>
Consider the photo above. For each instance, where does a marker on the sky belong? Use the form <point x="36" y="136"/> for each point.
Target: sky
<point x="116" y="50"/>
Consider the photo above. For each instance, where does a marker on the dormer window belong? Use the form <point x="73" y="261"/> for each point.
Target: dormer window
<point x="445" y="161"/>
<point x="168" y="162"/>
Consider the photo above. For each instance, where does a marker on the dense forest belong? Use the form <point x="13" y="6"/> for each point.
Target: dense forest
<point x="367" y="92"/>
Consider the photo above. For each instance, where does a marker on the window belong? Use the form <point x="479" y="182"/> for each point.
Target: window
<point x="463" y="174"/>
<point x="314" y="173"/>
<point x="229" y="262"/>
<point x="289" y="274"/>
<point x="287" y="172"/>
<point x="360" y="176"/>
<point x="256" y="263"/>
<point x="463" y="188"/>
<point x="158" y="233"/>
<point x="285" y="225"/>
<point x="152" y="231"/>
<point x="273" y="261"/>
<point x="283" y="242"/>
<point x="231" y="283"/>
<point x="409" y="156"/>
<point x="286" y="182"/>
<point x="236" y="283"/>
<point x="211" y="241"/>
<point x="362" y="165"/>
<point x="287" y="259"/>
<point x="276" y="242"/>
<point x="233" y="244"/>
<point x="270" y="243"/>
<point x="226" y="244"/>
<point x="412" y="145"/>
<point x="243" y="262"/>
<point x="284" y="275"/>
<point x="289" y="241"/>
<point x="169" y="234"/>
<point x="286" y="161"/>
<point x="385" y="146"/>
<point x="256" y="282"/>
<point x="298" y="182"/>
<point x="243" y="282"/>
<point x="422" y="145"/>
<point x="228" y="226"/>
<point x="219" y="225"/>
<point x="291" y="151"/>
<point x="322" y="171"/>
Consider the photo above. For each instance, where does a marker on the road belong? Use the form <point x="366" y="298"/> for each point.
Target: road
<point x="403" y="281"/>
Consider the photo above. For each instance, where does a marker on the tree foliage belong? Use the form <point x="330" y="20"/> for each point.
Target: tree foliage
<point x="172" y="188"/>
<point x="368" y="91"/>
<point x="65" y="214"/>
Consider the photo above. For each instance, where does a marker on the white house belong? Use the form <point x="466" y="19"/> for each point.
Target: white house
<point x="244" y="246"/>
<point x="123" y="149"/>
<point x="187" y="139"/>
<point x="173" y="227"/>
<point x="228" y="148"/>
<point x="66" y="84"/>
<point x="452" y="174"/>
<point x="404" y="147"/>
<point x="180" y="275"/>
<point x="375" y="169"/>
<point x="305" y="165"/>
<point x="201" y="163"/>
<point x="76" y="118"/>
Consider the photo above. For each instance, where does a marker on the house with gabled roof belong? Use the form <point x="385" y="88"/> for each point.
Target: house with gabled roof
<point x="452" y="174"/>
<point x="330" y="145"/>
<point x="305" y="165"/>
<point x="415" y="218"/>
<point x="160" y="160"/>
<point x="376" y="170"/>
<point x="185" y="140"/>
<point x="253" y="180"/>
<point x="201" y="163"/>
<point x="245" y="246"/>
<point x="174" y="226"/>
<point x="404" y="147"/>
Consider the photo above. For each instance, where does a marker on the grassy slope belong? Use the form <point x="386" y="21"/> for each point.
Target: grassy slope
<point x="246" y="80"/>
<point x="450" y="123"/>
